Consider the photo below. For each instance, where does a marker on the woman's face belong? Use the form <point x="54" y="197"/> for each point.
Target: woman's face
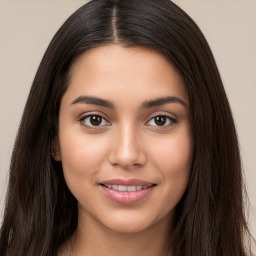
<point x="125" y="138"/>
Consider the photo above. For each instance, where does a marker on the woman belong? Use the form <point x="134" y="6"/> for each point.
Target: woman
<point x="127" y="140"/>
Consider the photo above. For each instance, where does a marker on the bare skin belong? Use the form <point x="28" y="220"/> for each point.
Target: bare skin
<point x="139" y="129"/>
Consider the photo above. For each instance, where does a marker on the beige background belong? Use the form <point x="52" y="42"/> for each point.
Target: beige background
<point x="27" y="26"/>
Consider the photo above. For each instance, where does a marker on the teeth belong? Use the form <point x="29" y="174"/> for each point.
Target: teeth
<point x="131" y="188"/>
<point x="123" y="188"/>
<point x="114" y="187"/>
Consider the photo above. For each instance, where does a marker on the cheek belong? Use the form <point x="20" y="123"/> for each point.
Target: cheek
<point x="173" y="159"/>
<point x="82" y="159"/>
<point x="82" y="155"/>
<point x="174" y="154"/>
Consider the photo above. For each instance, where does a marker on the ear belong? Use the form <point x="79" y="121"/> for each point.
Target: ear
<point x="56" y="154"/>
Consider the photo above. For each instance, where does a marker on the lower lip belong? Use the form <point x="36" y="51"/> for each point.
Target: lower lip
<point x="127" y="197"/>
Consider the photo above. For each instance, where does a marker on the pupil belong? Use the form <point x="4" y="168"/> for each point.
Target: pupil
<point x="95" y="120"/>
<point x="160" y="120"/>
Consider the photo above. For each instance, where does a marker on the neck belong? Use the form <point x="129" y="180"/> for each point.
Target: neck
<point x="95" y="239"/>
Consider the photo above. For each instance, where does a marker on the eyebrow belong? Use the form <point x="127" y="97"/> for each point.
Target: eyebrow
<point x="147" y="104"/>
<point x="93" y="101"/>
<point x="163" y="101"/>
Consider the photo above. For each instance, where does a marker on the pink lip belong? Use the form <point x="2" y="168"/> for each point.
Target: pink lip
<point x="126" y="197"/>
<point x="127" y="182"/>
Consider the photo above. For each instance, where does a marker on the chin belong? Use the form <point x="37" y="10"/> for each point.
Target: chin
<point x="128" y="227"/>
<point x="128" y="223"/>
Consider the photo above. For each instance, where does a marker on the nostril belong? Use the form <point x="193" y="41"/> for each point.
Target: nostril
<point x="127" y="159"/>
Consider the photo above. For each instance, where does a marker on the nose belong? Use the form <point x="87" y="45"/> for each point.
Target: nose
<point x="127" y="148"/>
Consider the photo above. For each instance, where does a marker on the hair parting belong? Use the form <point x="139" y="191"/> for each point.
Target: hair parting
<point x="41" y="213"/>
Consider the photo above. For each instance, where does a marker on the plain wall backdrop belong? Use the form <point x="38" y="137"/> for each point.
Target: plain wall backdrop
<point x="27" y="26"/>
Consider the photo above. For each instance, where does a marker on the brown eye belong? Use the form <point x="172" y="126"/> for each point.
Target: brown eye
<point x="161" y="120"/>
<point x="93" y="120"/>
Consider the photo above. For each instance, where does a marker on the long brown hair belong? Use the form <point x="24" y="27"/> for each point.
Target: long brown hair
<point x="41" y="213"/>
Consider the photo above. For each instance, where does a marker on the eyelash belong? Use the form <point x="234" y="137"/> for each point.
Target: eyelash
<point x="171" y="121"/>
<point x="82" y="120"/>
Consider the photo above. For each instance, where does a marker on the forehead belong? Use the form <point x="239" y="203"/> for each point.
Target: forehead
<point x="113" y="70"/>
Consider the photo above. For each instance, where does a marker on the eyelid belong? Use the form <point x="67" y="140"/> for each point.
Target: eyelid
<point x="93" y="113"/>
<point x="173" y="120"/>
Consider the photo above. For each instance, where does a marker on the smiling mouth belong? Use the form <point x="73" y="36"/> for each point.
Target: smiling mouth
<point x="130" y="193"/>
<point x="123" y="188"/>
<point x="127" y="191"/>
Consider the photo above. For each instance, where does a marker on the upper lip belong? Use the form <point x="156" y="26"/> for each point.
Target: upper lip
<point x="127" y="182"/>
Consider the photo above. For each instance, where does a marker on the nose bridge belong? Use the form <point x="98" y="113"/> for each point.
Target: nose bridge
<point x="128" y="145"/>
<point x="127" y="150"/>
